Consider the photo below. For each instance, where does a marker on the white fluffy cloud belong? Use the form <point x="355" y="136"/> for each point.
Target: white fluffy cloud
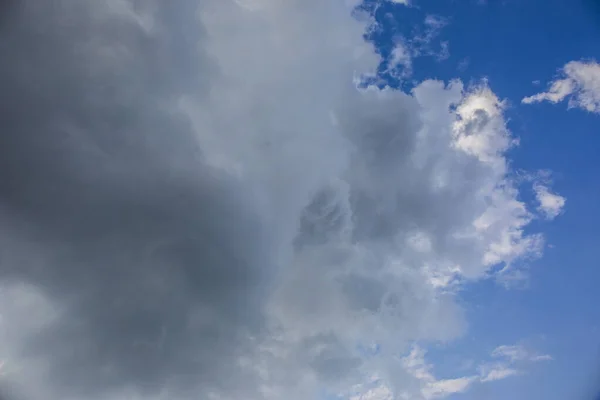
<point x="200" y="204"/>
<point x="579" y="82"/>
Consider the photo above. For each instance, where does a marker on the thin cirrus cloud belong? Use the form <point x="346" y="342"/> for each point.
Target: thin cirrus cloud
<point x="512" y="360"/>
<point x="515" y="353"/>
<point x="197" y="202"/>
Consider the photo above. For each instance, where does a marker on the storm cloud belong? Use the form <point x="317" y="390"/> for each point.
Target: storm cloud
<point x="196" y="201"/>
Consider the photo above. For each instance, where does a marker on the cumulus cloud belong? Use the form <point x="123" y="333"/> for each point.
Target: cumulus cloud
<point x="579" y="82"/>
<point x="196" y="202"/>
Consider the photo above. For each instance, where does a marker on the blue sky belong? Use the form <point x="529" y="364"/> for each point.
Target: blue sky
<point x="518" y="46"/>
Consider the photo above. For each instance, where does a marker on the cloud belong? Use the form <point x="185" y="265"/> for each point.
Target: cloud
<point x="446" y="387"/>
<point x="431" y="387"/>
<point x="427" y="386"/>
<point x="542" y="357"/>
<point x="421" y="42"/>
<point x="579" y="81"/>
<point x="498" y="373"/>
<point x="513" y="359"/>
<point x="463" y="64"/>
<point x="516" y="353"/>
<point x="196" y="202"/>
<point x="400" y="59"/>
<point x="550" y="204"/>
<point x="399" y="62"/>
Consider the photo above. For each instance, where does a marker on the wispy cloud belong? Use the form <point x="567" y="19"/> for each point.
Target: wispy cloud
<point x="498" y="373"/>
<point x="419" y="44"/>
<point x="579" y="82"/>
<point x="551" y="204"/>
<point x="431" y="387"/>
<point x="516" y="353"/>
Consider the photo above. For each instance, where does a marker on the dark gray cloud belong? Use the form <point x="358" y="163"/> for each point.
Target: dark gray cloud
<point x="155" y="259"/>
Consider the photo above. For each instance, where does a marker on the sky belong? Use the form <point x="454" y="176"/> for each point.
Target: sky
<point x="301" y="199"/>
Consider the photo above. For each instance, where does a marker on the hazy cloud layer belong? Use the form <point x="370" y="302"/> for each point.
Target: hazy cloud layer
<point x="197" y="203"/>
